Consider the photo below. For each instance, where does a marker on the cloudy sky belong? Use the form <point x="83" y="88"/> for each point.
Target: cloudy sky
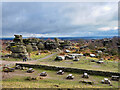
<point x="60" y="19"/>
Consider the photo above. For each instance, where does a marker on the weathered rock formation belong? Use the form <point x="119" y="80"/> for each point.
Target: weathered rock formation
<point x="17" y="47"/>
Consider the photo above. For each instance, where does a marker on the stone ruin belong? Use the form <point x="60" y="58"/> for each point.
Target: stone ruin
<point x="17" y="47"/>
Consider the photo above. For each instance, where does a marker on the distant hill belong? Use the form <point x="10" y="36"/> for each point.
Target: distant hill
<point x="66" y="38"/>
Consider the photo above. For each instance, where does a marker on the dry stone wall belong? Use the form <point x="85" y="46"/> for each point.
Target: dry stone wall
<point x="73" y="70"/>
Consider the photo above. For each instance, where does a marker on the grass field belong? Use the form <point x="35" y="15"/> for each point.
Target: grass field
<point x="83" y="63"/>
<point x="17" y="80"/>
<point x="34" y="56"/>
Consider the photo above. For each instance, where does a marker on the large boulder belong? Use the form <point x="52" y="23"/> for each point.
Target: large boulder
<point x="30" y="70"/>
<point x="59" y="58"/>
<point x="92" y="55"/>
<point x="70" y="76"/>
<point x="106" y="81"/>
<point x="43" y="74"/>
<point x="76" y="59"/>
<point x="67" y="51"/>
<point x="17" y="67"/>
<point x="100" y="62"/>
<point x="85" y="75"/>
<point x="69" y="57"/>
<point x="8" y="69"/>
<point x="60" y="72"/>
<point x="35" y="48"/>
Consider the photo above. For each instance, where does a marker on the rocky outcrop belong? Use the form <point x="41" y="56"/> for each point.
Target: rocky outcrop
<point x="17" y="47"/>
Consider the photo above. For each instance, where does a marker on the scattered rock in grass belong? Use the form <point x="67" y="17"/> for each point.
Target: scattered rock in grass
<point x="28" y="78"/>
<point x="32" y="78"/>
<point x="92" y="55"/>
<point x="30" y="70"/>
<point x="85" y="75"/>
<point x="38" y="54"/>
<point x="60" y="72"/>
<point x="40" y="77"/>
<point x="100" y="62"/>
<point x="59" y="58"/>
<point x="56" y="85"/>
<point x="87" y="82"/>
<point x="17" y="67"/>
<point x="92" y="60"/>
<point x="23" y="68"/>
<point x="101" y="59"/>
<point x="70" y="76"/>
<point x="11" y="69"/>
<point x="76" y="59"/>
<point x="43" y="74"/>
<point x="106" y="81"/>
<point x="8" y="69"/>
<point x="69" y="57"/>
<point x="115" y="78"/>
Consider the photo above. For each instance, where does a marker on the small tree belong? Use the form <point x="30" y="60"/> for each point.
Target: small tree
<point x="57" y="41"/>
<point x="29" y="49"/>
<point x="100" y="55"/>
<point x="91" y="46"/>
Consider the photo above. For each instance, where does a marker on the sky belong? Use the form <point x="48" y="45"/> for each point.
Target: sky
<point x="59" y="19"/>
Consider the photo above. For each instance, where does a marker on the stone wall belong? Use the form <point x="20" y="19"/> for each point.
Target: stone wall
<point x="73" y="70"/>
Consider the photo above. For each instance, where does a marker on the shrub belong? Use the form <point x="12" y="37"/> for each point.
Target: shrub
<point x="86" y="54"/>
<point x="62" y="53"/>
<point x="91" y="46"/>
<point x="28" y="78"/>
<point x="29" y="49"/>
<point x="93" y="51"/>
<point x="45" y="51"/>
<point x="114" y="52"/>
<point x="32" y="78"/>
<point x="41" y="46"/>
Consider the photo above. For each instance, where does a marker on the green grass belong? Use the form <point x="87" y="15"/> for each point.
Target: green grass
<point x="11" y="59"/>
<point x="35" y="57"/>
<point x="83" y="63"/>
<point x="18" y="81"/>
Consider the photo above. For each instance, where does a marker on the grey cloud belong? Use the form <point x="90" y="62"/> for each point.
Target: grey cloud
<point x="57" y="18"/>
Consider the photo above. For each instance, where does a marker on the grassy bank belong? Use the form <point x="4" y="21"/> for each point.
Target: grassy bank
<point x="83" y="63"/>
<point x="33" y="56"/>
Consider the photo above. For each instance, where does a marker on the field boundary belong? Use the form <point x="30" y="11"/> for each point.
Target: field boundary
<point x="73" y="70"/>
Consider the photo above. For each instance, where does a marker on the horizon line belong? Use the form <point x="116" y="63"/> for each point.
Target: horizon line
<point x="59" y="36"/>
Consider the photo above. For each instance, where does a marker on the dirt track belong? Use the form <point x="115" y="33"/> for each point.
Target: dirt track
<point x="31" y="61"/>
